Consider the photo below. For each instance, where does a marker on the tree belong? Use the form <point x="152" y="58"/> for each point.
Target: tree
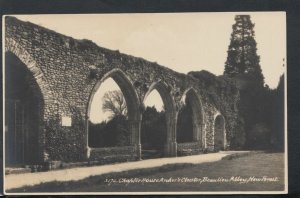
<point x="242" y="65"/>
<point x="277" y="119"/>
<point x="242" y="59"/>
<point x="153" y="128"/>
<point x="114" y="102"/>
<point x="115" y="132"/>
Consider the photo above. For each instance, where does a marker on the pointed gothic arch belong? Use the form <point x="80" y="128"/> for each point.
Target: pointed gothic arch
<point x="171" y="115"/>
<point x="191" y="96"/>
<point x="132" y="103"/>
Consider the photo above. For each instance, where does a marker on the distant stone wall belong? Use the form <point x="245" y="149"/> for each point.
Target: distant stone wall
<point x="189" y="148"/>
<point x="67" y="71"/>
<point x="102" y="155"/>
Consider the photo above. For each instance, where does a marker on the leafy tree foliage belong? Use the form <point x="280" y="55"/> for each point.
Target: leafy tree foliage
<point x="115" y="132"/>
<point x="254" y="107"/>
<point x="114" y="102"/>
<point x="277" y="117"/>
<point x="153" y="129"/>
<point x="265" y="121"/>
<point x="242" y="57"/>
<point x="262" y="111"/>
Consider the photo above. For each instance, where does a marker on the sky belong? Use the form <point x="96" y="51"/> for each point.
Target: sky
<point x="181" y="41"/>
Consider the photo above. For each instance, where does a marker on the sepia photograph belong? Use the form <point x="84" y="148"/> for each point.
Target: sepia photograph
<point x="145" y="103"/>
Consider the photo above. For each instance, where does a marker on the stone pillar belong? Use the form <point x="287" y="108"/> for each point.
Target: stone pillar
<point x="171" y="149"/>
<point x="197" y="133"/>
<point x="43" y="156"/>
<point x="135" y="139"/>
<point x="45" y="115"/>
<point x="171" y="144"/>
<point x="225" y="144"/>
<point x="196" y="130"/>
<point x="88" y="152"/>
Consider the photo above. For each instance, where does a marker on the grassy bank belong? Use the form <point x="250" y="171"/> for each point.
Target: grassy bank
<point x="229" y="174"/>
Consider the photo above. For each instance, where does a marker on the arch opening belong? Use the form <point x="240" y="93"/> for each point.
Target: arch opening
<point x="153" y="128"/>
<point x="157" y="122"/>
<point x="190" y="119"/>
<point x="112" y="112"/>
<point x="24" y="113"/>
<point x="219" y="133"/>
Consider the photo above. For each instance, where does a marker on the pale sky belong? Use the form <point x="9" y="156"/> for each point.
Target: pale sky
<point x="181" y="41"/>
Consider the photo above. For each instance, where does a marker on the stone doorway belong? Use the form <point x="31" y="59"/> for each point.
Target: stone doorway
<point x="23" y="114"/>
<point x="219" y="133"/>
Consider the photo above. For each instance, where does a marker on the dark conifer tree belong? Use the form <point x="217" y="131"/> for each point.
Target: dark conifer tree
<point x="243" y="64"/>
<point x="242" y="58"/>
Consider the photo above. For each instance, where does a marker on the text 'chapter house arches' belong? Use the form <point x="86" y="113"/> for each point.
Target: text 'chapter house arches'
<point x="219" y="133"/>
<point x="131" y="100"/>
<point x="190" y="118"/>
<point x="170" y="115"/>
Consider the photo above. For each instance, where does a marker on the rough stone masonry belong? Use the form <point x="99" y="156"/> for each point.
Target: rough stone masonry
<point x="68" y="72"/>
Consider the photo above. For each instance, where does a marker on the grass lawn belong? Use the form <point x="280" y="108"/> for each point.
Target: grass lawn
<point x="216" y="176"/>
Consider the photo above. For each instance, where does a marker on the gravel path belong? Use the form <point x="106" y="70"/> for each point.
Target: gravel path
<point x="75" y="174"/>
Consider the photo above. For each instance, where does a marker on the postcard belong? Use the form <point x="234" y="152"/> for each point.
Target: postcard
<point x="145" y="103"/>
